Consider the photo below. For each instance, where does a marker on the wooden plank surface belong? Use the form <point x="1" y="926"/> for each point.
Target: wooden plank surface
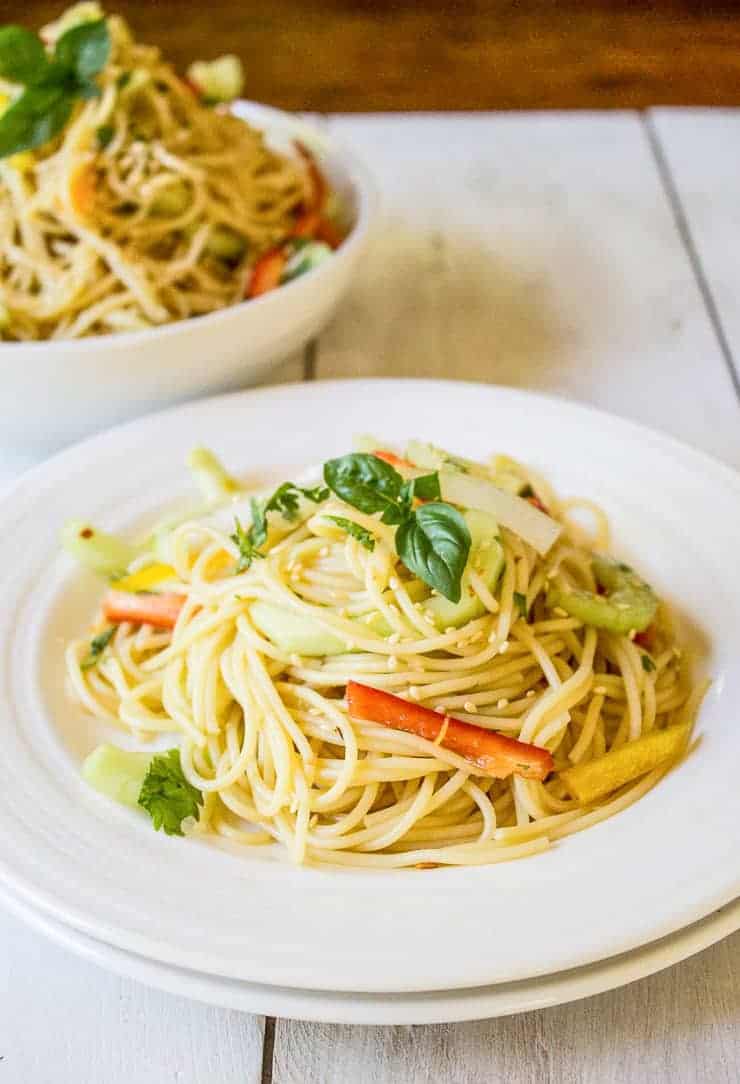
<point x="678" y="1027"/>
<point x="484" y="54"/>
<point x="701" y="149"/>
<point x="538" y="251"/>
<point x="65" y="1021"/>
<point x="542" y="252"/>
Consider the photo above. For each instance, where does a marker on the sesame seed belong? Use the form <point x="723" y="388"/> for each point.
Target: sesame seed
<point x="476" y="637"/>
<point x="600" y="690"/>
<point x="441" y="709"/>
<point x="470" y="707"/>
<point x="393" y="583"/>
<point x="413" y="693"/>
<point x="502" y="703"/>
<point x="504" y="648"/>
<point x="394" y="638"/>
<point x="392" y="662"/>
<point x="324" y="551"/>
<point x="560" y="611"/>
<point x="449" y="629"/>
<point x="530" y="694"/>
<point x="551" y="574"/>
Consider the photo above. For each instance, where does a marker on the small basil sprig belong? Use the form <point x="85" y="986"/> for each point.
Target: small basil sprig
<point x="285" y="501"/>
<point x="433" y="541"/>
<point x="363" y="536"/>
<point x="52" y="83"/>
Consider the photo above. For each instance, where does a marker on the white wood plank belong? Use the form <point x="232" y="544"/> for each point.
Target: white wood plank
<point x="538" y="251"/>
<point x="701" y="148"/>
<point x="65" y="1021"/>
<point x="678" y="1027"/>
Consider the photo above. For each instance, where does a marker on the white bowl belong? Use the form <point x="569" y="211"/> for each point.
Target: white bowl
<point x="55" y="392"/>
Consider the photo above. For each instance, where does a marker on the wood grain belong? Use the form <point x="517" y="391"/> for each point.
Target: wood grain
<point x="340" y="55"/>
<point x="535" y="251"/>
<point x="64" y="1021"/>
<point x="678" y="1027"/>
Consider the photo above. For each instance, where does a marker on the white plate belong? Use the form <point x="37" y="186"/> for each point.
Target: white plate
<point x="666" y="862"/>
<point x="440" y="1007"/>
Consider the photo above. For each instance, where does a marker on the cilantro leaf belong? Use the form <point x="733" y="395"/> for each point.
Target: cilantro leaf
<point x="285" y="499"/>
<point x="647" y="664"/>
<point x="166" y="794"/>
<point x="22" y="55"/>
<point x="247" y="541"/>
<point x="98" y="645"/>
<point x="520" y="601"/>
<point x="360" y="533"/>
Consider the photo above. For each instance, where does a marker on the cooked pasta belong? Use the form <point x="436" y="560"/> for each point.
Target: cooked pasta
<point x="255" y="679"/>
<point x="149" y="206"/>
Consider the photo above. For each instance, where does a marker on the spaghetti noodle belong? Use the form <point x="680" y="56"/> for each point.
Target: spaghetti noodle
<point x="252" y="680"/>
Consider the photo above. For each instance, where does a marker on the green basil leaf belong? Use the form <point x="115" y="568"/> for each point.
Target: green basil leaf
<point x="360" y="533"/>
<point x="34" y="118"/>
<point x="87" y="90"/>
<point x="84" y="49"/>
<point x="434" y="543"/>
<point x="22" y="55"/>
<point x="366" y="483"/>
<point x="425" y="488"/>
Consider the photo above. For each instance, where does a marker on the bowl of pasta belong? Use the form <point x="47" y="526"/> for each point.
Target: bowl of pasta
<point x="159" y="236"/>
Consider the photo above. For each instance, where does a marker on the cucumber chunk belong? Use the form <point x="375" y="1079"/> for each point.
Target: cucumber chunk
<point x="487" y="559"/>
<point x="117" y="773"/>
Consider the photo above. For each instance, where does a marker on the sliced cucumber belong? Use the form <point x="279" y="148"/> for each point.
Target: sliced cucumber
<point x="117" y="773"/>
<point x="487" y="559"/>
<point x="629" y="603"/>
<point x="97" y="550"/>
<point x="293" y="633"/>
<point x="225" y="243"/>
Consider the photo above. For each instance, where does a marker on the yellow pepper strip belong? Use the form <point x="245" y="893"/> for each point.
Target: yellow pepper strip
<point x="146" y="578"/>
<point x="596" y="778"/>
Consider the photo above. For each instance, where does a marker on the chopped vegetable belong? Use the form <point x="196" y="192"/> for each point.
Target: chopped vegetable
<point x="166" y="794"/>
<point x="520" y="601"/>
<point x="539" y="530"/>
<point x="226" y="244"/>
<point x="160" y="611"/>
<point x="98" y="645"/>
<point x="104" y="134"/>
<point x="647" y="664"/>
<point x="293" y="633"/>
<point x="146" y="578"/>
<point x="433" y="541"/>
<point x="82" y="189"/>
<point x="363" y="536"/>
<point x="211" y="477"/>
<point x="490" y="753"/>
<point x="219" y="80"/>
<point x="306" y="224"/>
<point x="267" y="272"/>
<point x="117" y="773"/>
<point x="172" y="200"/>
<point x="303" y="258"/>
<point x="596" y="778"/>
<point x="629" y="603"/>
<point x="396" y="461"/>
<point x="101" y="552"/>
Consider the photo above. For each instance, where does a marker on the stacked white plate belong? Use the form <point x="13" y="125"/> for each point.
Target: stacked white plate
<point x="624" y="898"/>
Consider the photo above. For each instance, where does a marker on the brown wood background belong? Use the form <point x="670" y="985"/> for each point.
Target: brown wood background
<point x="379" y="55"/>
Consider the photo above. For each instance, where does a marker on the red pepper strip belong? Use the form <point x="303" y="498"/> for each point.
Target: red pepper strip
<point x="490" y="753"/>
<point x="319" y="189"/>
<point x="329" y="234"/>
<point x="537" y="503"/>
<point x="646" y="638"/>
<point x="306" y="224"/>
<point x="267" y="272"/>
<point x="393" y="459"/>
<point x="161" y="611"/>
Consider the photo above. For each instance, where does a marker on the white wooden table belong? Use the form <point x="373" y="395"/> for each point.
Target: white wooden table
<point x="596" y="256"/>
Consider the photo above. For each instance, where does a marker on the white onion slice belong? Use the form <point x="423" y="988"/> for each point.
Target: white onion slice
<point x="521" y="517"/>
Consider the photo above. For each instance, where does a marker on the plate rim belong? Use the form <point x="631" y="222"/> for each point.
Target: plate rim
<point x="664" y="442"/>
